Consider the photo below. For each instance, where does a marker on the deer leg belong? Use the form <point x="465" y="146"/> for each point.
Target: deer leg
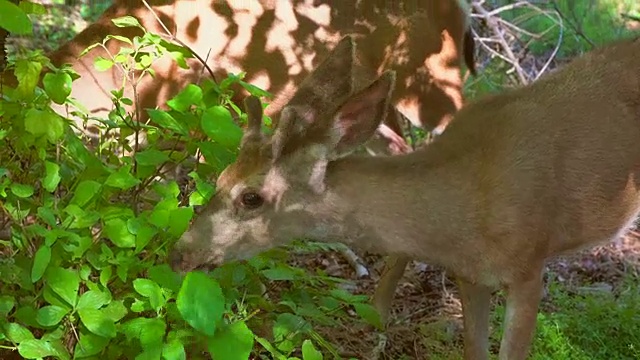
<point x="386" y="289"/>
<point x="523" y="299"/>
<point x="476" y="301"/>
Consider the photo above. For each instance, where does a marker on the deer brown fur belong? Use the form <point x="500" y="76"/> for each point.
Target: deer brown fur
<point x="516" y="178"/>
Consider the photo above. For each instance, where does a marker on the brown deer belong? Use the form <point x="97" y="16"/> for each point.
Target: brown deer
<point x="278" y="43"/>
<point x="515" y="179"/>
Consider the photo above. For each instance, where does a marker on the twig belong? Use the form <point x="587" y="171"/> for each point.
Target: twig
<point x="172" y="37"/>
<point x="355" y="261"/>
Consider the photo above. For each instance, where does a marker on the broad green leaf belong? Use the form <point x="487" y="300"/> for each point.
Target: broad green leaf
<point x="286" y="328"/>
<point x="165" y="277"/>
<point x="97" y="322"/>
<point x="65" y="283"/>
<point x="280" y="273"/>
<point x="217" y="155"/>
<point x="116" y="230"/>
<point x="126" y="21"/>
<point x="52" y="177"/>
<point x="85" y="192"/>
<point x="90" y="344"/>
<point x="51" y="315"/>
<point x="36" y="348"/>
<point x="115" y="310"/>
<point x="179" y="220"/>
<point x="40" y="262"/>
<point x="28" y="74"/>
<point x="14" y="19"/>
<point x="93" y="299"/>
<point x="200" y="302"/>
<point x="7" y="302"/>
<point x="105" y="275"/>
<point x="121" y="38"/>
<point x="150" y="290"/>
<point x="217" y="123"/>
<point x="309" y="351"/>
<point x="33" y="8"/>
<point x="79" y="219"/>
<point x="254" y="90"/>
<point x="122" y="179"/>
<point x="232" y="342"/>
<point x="190" y="95"/>
<point x="174" y="350"/>
<point x="150" y="332"/>
<point x="17" y="333"/>
<point x="102" y="64"/>
<point x="151" y="157"/>
<point x="166" y="121"/>
<point x="44" y="123"/>
<point x="21" y="190"/>
<point x="369" y="314"/>
<point x="57" y="86"/>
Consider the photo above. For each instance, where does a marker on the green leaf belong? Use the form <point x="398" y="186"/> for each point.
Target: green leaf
<point x="309" y="351"/>
<point x="116" y="230"/>
<point x="190" y="95"/>
<point x="51" y="315"/>
<point x="232" y="342"/>
<point x="122" y="179"/>
<point x="85" y="192"/>
<point x="126" y="21"/>
<point x="217" y="155"/>
<point x="97" y="322"/>
<point x="57" y="86"/>
<point x="21" y="190"/>
<point x="89" y="345"/>
<point x="280" y="273"/>
<point x="217" y="123"/>
<point x="165" y="277"/>
<point x="102" y="64"/>
<point x="14" y="19"/>
<point x="174" y="350"/>
<point x="36" y="348"/>
<point x="52" y="177"/>
<point x="65" y="283"/>
<point x="286" y="328"/>
<point x="28" y="74"/>
<point x="151" y="157"/>
<point x="40" y="262"/>
<point x="150" y="290"/>
<point x="179" y="220"/>
<point x="150" y="332"/>
<point x="7" y="303"/>
<point x="17" y="333"/>
<point x="93" y="299"/>
<point x="44" y="123"/>
<point x="200" y="302"/>
<point x="166" y="121"/>
<point x="369" y="314"/>
<point x="32" y="8"/>
<point x="115" y="310"/>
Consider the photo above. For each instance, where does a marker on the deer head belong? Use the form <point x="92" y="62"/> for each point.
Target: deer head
<point x="275" y="192"/>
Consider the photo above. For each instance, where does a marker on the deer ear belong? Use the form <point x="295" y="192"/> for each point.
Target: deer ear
<point x="359" y="116"/>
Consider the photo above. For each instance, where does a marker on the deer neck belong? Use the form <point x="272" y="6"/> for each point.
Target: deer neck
<point x="393" y="205"/>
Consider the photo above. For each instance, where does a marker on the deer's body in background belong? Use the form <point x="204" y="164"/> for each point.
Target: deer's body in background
<point x="278" y="43"/>
<point x="516" y="178"/>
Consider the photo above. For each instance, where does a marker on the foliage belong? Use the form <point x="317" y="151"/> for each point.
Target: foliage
<point x="84" y="273"/>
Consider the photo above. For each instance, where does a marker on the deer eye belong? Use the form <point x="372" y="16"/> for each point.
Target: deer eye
<point x="251" y="200"/>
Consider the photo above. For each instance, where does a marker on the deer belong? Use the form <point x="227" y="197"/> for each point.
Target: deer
<point x="278" y="44"/>
<point x="517" y="178"/>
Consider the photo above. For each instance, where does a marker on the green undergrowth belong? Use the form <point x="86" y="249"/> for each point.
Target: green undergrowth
<point x="84" y="273"/>
<point x="574" y="324"/>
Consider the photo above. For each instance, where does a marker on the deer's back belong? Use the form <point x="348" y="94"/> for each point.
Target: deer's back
<point x="555" y="165"/>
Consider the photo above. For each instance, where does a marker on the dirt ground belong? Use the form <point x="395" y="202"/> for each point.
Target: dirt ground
<point x="426" y="311"/>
